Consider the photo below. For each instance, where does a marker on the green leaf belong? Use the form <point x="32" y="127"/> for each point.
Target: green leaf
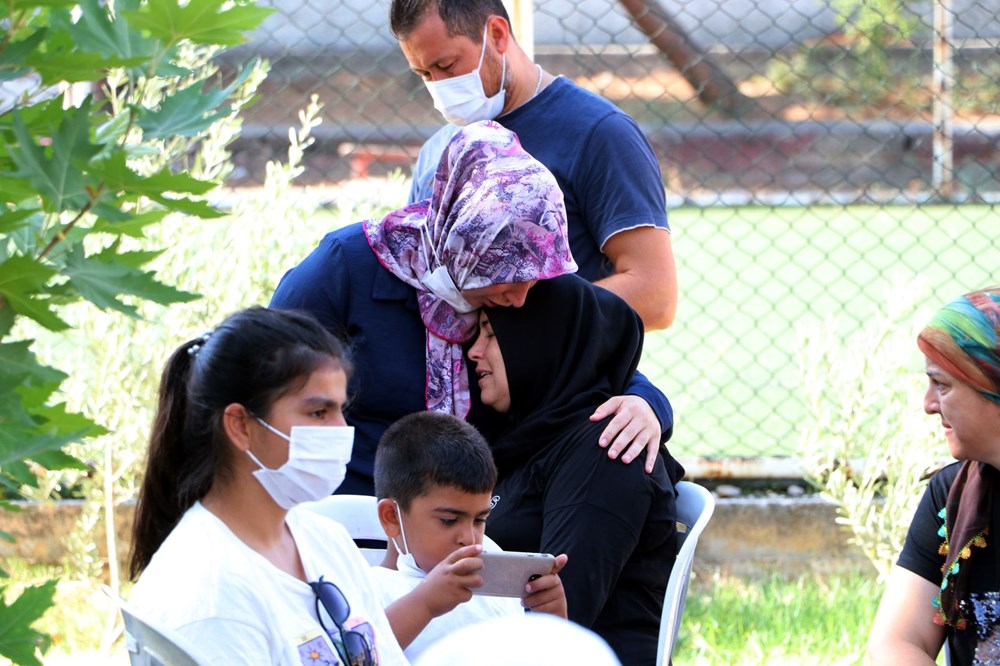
<point x="18" y="641"/>
<point x="188" y="206"/>
<point x="56" y="176"/>
<point x="76" y="66"/>
<point x="14" y="220"/>
<point x="18" y="365"/>
<point x="185" y="113"/>
<point x="96" y="31"/>
<point x="7" y="316"/>
<point x="200" y="21"/>
<point x="53" y="4"/>
<point x="24" y="436"/>
<point x="118" y="177"/>
<point x="102" y="280"/>
<point x="21" y="278"/>
<point x="134" y="259"/>
<point x="131" y="225"/>
<point x="14" y="55"/>
<point x="16" y="190"/>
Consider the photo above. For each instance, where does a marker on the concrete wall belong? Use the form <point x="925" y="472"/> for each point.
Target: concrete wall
<point x="746" y="536"/>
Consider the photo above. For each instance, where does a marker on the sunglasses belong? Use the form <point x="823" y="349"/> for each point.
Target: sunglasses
<point x="354" y="647"/>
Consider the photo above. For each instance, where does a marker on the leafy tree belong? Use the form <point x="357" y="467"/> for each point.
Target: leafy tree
<point x="78" y="179"/>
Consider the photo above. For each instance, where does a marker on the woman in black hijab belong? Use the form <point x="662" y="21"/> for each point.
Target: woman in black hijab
<point x="545" y="367"/>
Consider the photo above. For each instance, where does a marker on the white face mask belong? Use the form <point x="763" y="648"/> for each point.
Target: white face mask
<point x="316" y="466"/>
<point x="462" y="99"/>
<point x="405" y="562"/>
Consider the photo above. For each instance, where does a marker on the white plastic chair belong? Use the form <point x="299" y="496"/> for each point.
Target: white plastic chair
<point x="359" y="515"/>
<point x="695" y="505"/>
<point x="149" y="645"/>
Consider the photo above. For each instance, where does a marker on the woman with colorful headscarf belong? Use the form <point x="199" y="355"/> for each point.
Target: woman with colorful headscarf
<point x="946" y="584"/>
<point x="404" y="291"/>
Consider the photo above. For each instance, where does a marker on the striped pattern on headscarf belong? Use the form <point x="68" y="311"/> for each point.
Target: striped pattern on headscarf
<point x="963" y="338"/>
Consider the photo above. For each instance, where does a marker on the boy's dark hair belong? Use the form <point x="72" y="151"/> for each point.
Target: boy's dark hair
<point x="429" y="449"/>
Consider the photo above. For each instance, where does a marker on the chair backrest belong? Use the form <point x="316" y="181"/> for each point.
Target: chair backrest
<point x="150" y="645"/>
<point x="359" y="515"/>
<point x="695" y="506"/>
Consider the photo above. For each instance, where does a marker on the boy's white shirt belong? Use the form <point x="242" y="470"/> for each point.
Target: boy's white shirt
<point x="392" y="585"/>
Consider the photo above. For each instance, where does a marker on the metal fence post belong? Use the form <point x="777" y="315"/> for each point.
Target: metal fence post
<point x="522" y="16"/>
<point x="942" y="175"/>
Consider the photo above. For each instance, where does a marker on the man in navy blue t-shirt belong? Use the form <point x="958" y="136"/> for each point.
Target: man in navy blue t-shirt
<point x="615" y="201"/>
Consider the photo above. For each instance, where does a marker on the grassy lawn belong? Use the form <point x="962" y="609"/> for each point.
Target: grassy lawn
<point x="776" y="620"/>
<point x="752" y="278"/>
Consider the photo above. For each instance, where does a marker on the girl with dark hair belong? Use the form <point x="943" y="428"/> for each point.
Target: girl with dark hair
<point x="545" y="366"/>
<point x="250" y="425"/>
<point x="945" y="587"/>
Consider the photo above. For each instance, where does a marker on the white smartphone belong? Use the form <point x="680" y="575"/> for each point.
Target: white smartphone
<point x="505" y="573"/>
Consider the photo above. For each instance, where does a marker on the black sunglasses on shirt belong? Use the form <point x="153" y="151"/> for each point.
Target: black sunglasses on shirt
<point x="355" y="650"/>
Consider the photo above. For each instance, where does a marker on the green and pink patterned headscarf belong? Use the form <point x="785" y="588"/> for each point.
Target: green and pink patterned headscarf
<point x="963" y="339"/>
<point x="496" y="216"/>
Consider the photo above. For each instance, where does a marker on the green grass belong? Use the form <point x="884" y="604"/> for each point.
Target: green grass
<point x="752" y="278"/>
<point x="775" y="620"/>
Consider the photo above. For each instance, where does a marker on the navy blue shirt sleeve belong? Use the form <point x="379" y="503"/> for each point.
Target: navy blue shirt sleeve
<point x="319" y="285"/>
<point x="642" y="387"/>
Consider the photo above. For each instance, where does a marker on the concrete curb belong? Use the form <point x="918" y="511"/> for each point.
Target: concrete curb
<point x="747" y="536"/>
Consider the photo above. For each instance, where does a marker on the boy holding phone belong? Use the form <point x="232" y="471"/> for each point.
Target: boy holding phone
<point x="434" y="477"/>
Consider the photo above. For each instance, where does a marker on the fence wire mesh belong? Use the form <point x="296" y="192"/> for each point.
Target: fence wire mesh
<point x="814" y="153"/>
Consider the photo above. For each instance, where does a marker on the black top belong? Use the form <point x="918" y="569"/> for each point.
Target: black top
<point x="979" y="643"/>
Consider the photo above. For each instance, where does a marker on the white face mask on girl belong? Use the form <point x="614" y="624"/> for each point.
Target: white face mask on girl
<point x="316" y="465"/>
<point x="462" y="99"/>
<point x="404" y="561"/>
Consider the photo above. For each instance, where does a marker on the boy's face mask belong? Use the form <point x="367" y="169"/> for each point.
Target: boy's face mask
<point x="405" y="562"/>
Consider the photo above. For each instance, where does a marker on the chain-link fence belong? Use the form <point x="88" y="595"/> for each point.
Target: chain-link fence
<point x="814" y="152"/>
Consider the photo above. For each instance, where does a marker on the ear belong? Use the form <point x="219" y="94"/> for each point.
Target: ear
<point x="388" y="517"/>
<point x="498" y="33"/>
<point x="236" y="421"/>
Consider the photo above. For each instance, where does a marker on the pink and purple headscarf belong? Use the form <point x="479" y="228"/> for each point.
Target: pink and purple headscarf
<point x="496" y="216"/>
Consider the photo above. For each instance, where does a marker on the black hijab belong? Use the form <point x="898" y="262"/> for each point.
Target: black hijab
<point x="570" y="347"/>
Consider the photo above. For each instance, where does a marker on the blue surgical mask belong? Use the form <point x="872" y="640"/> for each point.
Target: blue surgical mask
<point x="462" y="99"/>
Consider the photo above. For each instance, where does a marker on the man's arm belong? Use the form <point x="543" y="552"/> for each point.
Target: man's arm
<point x="904" y="631"/>
<point x="645" y="275"/>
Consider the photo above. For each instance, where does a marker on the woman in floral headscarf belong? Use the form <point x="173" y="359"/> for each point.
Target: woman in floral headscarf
<point x="404" y="290"/>
<point x="946" y="585"/>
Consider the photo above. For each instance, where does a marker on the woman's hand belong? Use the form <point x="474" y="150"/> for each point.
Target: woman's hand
<point x="634" y="428"/>
<point x="545" y="594"/>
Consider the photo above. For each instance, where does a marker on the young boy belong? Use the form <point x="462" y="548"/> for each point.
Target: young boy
<point x="434" y="477"/>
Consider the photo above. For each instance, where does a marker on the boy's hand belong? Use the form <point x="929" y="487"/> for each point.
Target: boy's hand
<point x="546" y="594"/>
<point x="448" y="584"/>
